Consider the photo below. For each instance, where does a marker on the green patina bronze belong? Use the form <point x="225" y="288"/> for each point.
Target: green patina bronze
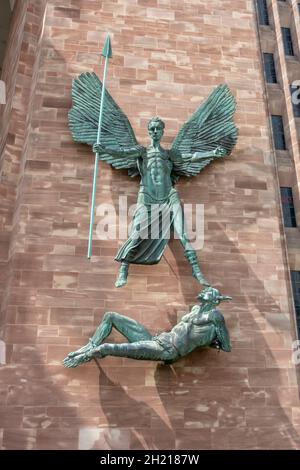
<point x="204" y="326"/>
<point x="209" y="134"/>
<point x="107" y="53"/>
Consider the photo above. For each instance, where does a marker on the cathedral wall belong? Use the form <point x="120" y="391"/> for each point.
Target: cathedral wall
<point x="168" y="55"/>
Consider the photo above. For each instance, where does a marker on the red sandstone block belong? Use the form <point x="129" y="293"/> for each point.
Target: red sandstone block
<point x="11" y="416"/>
<point x="70" y="331"/>
<point x="40" y="421"/>
<point x="11" y="314"/>
<point x="50" y="340"/>
<point x="72" y="264"/>
<point x="279" y="358"/>
<point x="37" y="279"/>
<point x="61" y="411"/>
<point x="213" y="416"/>
<point x="17" y="439"/>
<point x="40" y="249"/>
<point x="234" y="438"/>
<point x="65" y="280"/>
<point x="147" y="3"/>
<point x="282" y="396"/>
<point x="66" y="12"/>
<point x="96" y="281"/>
<point x="20" y="334"/>
<point x="95" y="421"/>
<point x="27" y="261"/>
<point x="296" y="417"/>
<point x="37" y="393"/>
<point x="267" y="377"/>
<point x="56" y="353"/>
<point x="38" y="166"/>
<point x="71" y="316"/>
<point x="127" y="416"/>
<point x="188" y="439"/>
<point x="28" y="354"/>
<point x="270" y="438"/>
<point x="125" y="376"/>
<point x="269" y="416"/>
<point x="32" y="315"/>
<point x="61" y="439"/>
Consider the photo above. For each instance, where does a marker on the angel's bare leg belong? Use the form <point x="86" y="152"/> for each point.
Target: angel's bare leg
<point x="131" y="329"/>
<point x="123" y="274"/>
<point x="189" y="251"/>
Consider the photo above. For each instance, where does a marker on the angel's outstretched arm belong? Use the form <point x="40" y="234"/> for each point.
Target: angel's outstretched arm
<point x="131" y="152"/>
<point x="219" y="152"/>
<point x="118" y="157"/>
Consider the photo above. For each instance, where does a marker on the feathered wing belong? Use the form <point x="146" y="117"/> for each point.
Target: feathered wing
<point x="116" y="131"/>
<point x="211" y="126"/>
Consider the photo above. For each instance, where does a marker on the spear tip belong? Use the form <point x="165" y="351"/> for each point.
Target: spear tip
<point x="107" y="49"/>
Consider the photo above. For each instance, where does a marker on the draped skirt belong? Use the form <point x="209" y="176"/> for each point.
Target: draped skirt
<point x="151" y="230"/>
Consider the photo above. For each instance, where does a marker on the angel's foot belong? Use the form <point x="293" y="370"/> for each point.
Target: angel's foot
<point x="123" y="275"/>
<point x="196" y="271"/>
<point x="121" y="281"/>
<point x="90" y="345"/>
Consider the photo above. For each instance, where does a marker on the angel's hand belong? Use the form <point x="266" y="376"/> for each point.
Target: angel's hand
<point x="98" y="148"/>
<point x="220" y="152"/>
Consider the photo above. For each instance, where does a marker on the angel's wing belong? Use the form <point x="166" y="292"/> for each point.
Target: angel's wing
<point x="116" y="131"/>
<point x="211" y="126"/>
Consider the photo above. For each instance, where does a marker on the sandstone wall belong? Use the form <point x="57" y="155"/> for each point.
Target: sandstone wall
<point x="167" y="57"/>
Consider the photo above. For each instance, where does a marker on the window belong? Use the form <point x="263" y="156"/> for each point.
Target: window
<point x="270" y="70"/>
<point x="278" y="133"/>
<point x="263" y="15"/>
<point x="287" y="202"/>
<point x="5" y="19"/>
<point x="287" y="41"/>
<point x="295" y="91"/>
<point x="296" y="291"/>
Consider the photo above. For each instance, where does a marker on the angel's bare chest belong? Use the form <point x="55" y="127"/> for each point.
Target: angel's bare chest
<point x="156" y="174"/>
<point x="157" y="166"/>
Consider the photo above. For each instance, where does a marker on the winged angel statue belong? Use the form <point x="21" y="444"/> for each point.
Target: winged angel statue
<point x="209" y="134"/>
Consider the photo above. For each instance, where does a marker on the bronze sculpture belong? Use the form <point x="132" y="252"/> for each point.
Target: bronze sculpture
<point x="210" y="133"/>
<point x="204" y="326"/>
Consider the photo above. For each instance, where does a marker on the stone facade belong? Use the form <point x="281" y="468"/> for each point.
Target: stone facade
<point x="167" y="57"/>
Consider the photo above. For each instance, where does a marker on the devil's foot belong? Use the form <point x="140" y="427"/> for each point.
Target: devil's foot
<point x="76" y="361"/>
<point x="82" y="350"/>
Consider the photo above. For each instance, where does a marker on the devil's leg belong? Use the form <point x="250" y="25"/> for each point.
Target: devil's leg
<point x="131" y="329"/>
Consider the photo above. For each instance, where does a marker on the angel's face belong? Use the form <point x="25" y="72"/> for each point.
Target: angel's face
<point x="156" y="131"/>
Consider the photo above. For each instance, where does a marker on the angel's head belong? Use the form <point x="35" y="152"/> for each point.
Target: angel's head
<point x="156" y="129"/>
